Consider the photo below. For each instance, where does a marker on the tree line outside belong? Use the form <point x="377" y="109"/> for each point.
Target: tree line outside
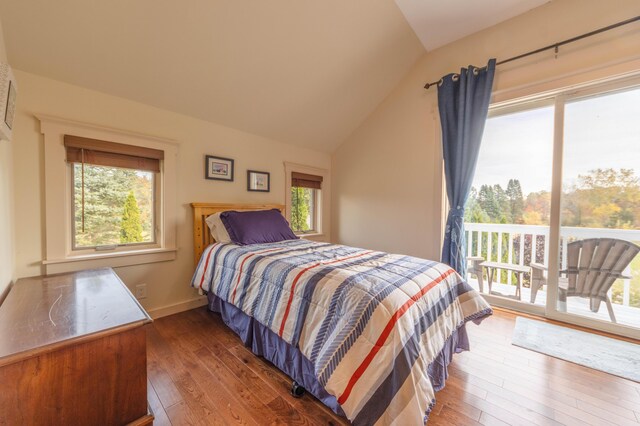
<point x="601" y="198"/>
<point x="118" y="206"/>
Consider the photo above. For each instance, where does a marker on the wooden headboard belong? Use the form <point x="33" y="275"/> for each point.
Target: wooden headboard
<point x="201" y="235"/>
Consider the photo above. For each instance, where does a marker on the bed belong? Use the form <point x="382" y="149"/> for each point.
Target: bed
<point x="368" y="333"/>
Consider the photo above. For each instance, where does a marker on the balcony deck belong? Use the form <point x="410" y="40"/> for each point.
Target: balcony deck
<point x="523" y="244"/>
<point x="625" y="315"/>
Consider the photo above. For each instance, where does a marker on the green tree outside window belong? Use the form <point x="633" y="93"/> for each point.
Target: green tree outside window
<point x="300" y="208"/>
<point x="131" y="226"/>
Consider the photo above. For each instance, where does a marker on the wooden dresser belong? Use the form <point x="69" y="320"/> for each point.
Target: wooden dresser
<point x="73" y="352"/>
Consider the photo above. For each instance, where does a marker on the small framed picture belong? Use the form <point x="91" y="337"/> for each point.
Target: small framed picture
<point x="258" y="181"/>
<point x="218" y="168"/>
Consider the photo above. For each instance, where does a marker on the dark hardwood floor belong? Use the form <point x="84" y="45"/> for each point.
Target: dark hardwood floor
<point x="200" y="373"/>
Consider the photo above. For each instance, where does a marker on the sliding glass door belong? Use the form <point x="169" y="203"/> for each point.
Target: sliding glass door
<point x="507" y="213"/>
<point x="554" y="214"/>
<point x="599" y="269"/>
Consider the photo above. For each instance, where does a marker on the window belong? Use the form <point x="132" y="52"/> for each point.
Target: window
<point x="112" y="206"/>
<point x="303" y="209"/>
<point x="507" y="212"/>
<point x="113" y="193"/>
<point x="110" y="197"/>
<point x="555" y="206"/>
<point x="307" y="200"/>
<point x="305" y="189"/>
<point x="600" y="196"/>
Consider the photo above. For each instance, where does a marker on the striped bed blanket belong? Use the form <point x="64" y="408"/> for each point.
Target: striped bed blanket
<point x="370" y="322"/>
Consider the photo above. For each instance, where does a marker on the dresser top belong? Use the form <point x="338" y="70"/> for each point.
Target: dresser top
<point x="41" y="313"/>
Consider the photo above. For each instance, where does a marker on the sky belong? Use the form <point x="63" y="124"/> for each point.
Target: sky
<point x="600" y="132"/>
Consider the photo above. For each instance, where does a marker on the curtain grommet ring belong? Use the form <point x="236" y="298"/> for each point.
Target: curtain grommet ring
<point x="455" y="77"/>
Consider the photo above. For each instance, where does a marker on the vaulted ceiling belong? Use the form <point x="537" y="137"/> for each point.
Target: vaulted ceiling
<point x="438" y="22"/>
<point x="298" y="71"/>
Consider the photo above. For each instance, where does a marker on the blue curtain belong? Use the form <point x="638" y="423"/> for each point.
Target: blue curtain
<point x="463" y="103"/>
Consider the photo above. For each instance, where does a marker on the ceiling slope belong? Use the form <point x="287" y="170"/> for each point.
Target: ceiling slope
<point x="301" y="72"/>
<point x="438" y="22"/>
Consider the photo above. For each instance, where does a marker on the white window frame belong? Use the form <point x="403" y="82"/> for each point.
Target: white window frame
<point x="60" y="255"/>
<point x="322" y="199"/>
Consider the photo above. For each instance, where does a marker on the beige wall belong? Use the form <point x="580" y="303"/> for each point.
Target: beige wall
<point x="167" y="282"/>
<point x="7" y="266"/>
<point x="387" y="176"/>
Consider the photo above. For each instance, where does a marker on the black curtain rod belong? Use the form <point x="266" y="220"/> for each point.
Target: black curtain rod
<point x="558" y="44"/>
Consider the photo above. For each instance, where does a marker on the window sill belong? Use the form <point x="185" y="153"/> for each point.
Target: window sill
<point x="312" y="235"/>
<point x="113" y="259"/>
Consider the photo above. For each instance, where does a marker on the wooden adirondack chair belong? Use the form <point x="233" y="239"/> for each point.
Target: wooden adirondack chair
<point x="473" y="267"/>
<point x="593" y="265"/>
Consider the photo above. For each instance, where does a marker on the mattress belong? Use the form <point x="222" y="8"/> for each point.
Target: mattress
<point x="370" y="326"/>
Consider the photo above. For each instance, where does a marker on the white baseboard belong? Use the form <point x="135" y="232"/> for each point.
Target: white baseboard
<point x="177" y="307"/>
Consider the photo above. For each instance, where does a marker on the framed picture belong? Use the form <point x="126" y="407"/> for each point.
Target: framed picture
<point x="8" y="94"/>
<point x="258" y="181"/>
<point x="218" y="168"/>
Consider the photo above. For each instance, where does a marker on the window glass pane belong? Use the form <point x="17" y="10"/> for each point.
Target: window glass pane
<point x="507" y="212"/>
<point x="118" y="206"/>
<point x="303" y="209"/>
<point x="601" y="208"/>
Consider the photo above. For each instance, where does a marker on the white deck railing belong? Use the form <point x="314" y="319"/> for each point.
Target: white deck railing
<point x="481" y="237"/>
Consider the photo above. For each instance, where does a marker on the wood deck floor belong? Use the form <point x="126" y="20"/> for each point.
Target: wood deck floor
<point x="200" y="373"/>
<point x="625" y="315"/>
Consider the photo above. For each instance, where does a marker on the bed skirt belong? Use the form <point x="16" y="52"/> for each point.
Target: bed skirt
<point x="267" y="344"/>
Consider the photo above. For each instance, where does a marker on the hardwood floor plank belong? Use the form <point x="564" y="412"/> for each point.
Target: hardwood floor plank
<point x="180" y="414"/>
<point x="449" y="416"/>
<point x="287" y="414"/>
<point x="216" y="380"/>
<point x="217" y="341"/>
<point x="160" y="416"/>
<point x="535" y="356"/>
<point x="215" y="349"/>
<point x="461" y="375"/>
<point x="620" y="417"/>
<point x="453" y="401"/>
<point x="570" y="396"/>
<point x="212" y="406"/>
<point x="467" y="387"/>
<point x="573" y="399"/>
<point x="537" y="400"/>
<point x="210" y="403"/>
<point x="533" y="411"/>
<point x="489" y="420"/>
<point x="560" y="374"/>
<point x="486" y="376"/>
<point x="243" y="392"/>
<point x="550" y="380"/>
<point x="513" y="357"/>
<point x="564" y="406"/>
<point x="280" y="383"/>
<point x="201" y="374"/>
<point x="484" y="406"/>
<point x="163" y="383"/>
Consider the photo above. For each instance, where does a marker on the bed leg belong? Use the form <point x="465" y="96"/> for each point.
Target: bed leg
<point x="297" y="391"/>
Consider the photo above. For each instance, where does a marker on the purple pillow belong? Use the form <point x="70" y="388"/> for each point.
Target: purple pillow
<point x="257" y="227"/>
